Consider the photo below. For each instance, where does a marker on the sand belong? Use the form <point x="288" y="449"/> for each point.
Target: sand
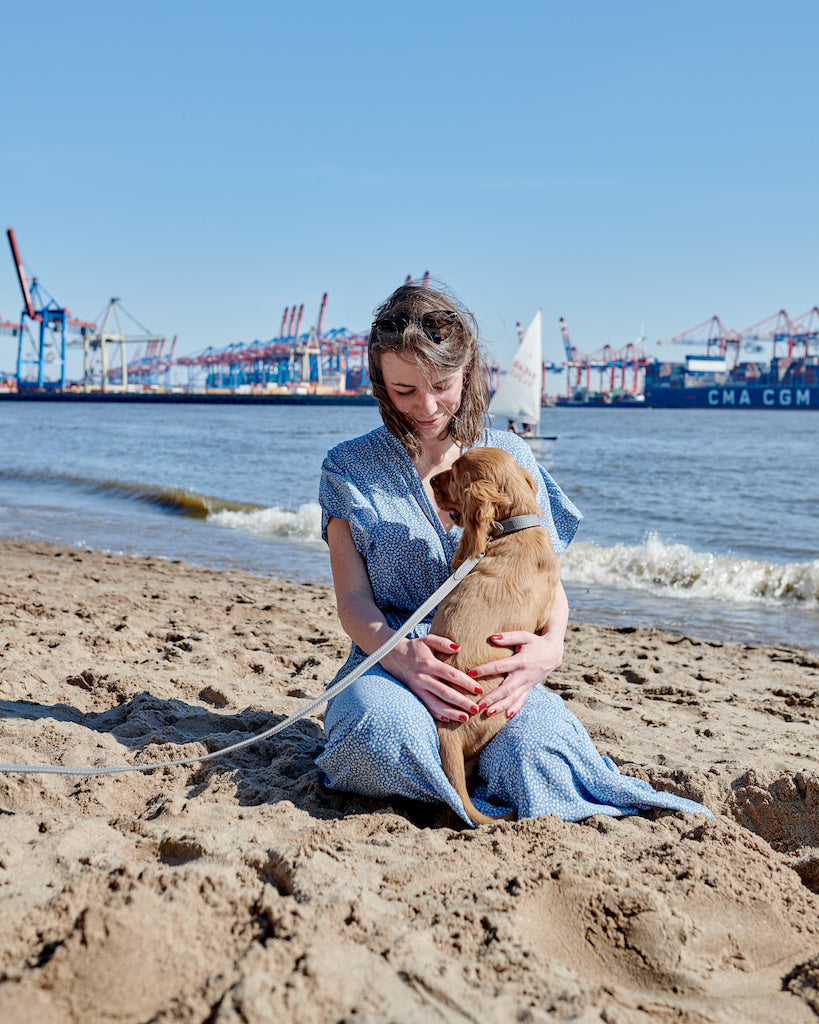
<point x="241" y="891"/>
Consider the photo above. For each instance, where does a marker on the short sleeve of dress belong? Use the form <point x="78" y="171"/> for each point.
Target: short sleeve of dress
<point x="566" y="517"/>
<point x="341" y="497"/>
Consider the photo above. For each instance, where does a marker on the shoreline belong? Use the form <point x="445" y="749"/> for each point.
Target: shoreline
<point x="246" y="889"/>
<point x="191" y="397"/>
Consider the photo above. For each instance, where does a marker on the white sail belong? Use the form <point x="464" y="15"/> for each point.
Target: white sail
<point x="519" y="393"/>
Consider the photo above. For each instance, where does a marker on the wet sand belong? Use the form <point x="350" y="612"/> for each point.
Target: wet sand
<point x="240" y="890"/>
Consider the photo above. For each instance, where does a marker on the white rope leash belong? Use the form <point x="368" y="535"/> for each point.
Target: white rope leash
<point x="416" y="617"/>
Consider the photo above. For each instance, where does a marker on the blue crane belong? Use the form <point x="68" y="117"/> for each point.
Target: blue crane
<point x="52" y="321"/>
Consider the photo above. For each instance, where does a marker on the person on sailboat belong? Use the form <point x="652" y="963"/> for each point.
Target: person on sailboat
<point x="391" y="547"/>
<point x="512" y="427"/>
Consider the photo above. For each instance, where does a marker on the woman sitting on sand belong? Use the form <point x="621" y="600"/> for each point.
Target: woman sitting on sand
<point x="391" y="547"/>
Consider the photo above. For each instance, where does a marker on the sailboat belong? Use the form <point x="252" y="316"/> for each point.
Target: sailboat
<point x="519" y="393"/>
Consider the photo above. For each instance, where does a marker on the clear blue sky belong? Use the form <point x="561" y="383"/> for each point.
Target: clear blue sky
<point x="616" y="163"/>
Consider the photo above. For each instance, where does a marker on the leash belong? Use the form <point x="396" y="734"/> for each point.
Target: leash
<point x="504" y="526"/>
<point x="336" y="688"/>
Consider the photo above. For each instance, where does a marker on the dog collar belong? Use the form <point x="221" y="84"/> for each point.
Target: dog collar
<point x="513" y="524"/>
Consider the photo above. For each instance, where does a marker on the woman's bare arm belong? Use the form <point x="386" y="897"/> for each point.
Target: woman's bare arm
<point x="439" y="685"/>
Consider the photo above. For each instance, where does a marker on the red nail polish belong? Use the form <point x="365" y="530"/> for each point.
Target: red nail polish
<point x="496" y="636"/>
<point x="464" y="718"/>
<point x="455" y="647"/>
<point x="481" y="706"/>
<point x="478" y="689"/>
<point x="443" y="719"/>
<point x="472" y="673"/>
<point x="509" y="714"/>
<point x="474" y="709"/>
<point x="491" y="711"/>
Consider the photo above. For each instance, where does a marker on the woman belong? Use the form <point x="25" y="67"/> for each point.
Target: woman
<point x="391" y="547"/>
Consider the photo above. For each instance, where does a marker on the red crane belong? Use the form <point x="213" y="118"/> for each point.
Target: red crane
<point x="717" y="335"/>
<point x="320" y="322"/>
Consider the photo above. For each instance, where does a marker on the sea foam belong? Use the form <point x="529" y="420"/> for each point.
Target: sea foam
<point x="660" y="567"/>
<point x="302" y="524"/>
<point x="653" y="565"/>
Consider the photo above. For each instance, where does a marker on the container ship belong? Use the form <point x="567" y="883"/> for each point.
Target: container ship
<point x="707" y="382"/>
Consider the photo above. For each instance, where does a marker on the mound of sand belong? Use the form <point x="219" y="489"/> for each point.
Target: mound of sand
<point x="240" y="890"/>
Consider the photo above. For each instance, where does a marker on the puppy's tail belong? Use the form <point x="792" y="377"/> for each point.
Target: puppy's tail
<point x="452" y="758"/>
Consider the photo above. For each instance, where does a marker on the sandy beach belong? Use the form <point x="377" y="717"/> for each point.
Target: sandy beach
<point x="240" y="890"/>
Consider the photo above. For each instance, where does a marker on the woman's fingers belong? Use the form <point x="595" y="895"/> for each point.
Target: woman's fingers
<point x="449" y="673"/>
<point x="508" y="702"/>
<point x="447" y="703"/>
<point x="448" y="693"/>
<point x="440" y="643"/>
<point x="415" y="659"/>
<point x="514" y="638"/>
<point x="531" y="662"/>
<point x="534" y="655"/>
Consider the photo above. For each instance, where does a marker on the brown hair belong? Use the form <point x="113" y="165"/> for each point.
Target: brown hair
<point x="461" y="350"/>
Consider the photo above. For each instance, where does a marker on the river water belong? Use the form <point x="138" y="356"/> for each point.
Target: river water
<point x="699" y="521"/>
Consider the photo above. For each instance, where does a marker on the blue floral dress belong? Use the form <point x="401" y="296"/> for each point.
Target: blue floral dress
<point x="381" y="739"/>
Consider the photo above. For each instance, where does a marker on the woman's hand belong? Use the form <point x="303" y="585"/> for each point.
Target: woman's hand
<point x="438" y="685"/>
<point x="535" y="656"/>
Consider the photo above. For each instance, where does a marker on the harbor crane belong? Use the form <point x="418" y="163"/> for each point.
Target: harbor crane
<point x="48" y="336"/>
<point x="776" y="329"/>
<point x="717" y="336"/>
<point x="631" y="359"/>
<point x="111" y="333"/>
<point x="568" y="348"/>
<point x="800" y="331"/>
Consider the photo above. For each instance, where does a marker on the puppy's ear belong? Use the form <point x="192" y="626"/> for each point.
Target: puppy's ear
<point x="530" y="480"/>
<point x="485" y="496"/>
<point x="479" y="509"/>
<point x="526" y="482"/>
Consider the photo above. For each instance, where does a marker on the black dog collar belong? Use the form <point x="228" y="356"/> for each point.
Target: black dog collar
<point x="515" y="523"/>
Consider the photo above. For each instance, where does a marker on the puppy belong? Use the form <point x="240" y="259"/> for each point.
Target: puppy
<point x="511" y="588"/>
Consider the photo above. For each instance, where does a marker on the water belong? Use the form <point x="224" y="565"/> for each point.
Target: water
<point x="700" y="521"/>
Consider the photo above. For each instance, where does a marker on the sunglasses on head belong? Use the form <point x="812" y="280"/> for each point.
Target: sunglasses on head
<point x="437" y="326"/>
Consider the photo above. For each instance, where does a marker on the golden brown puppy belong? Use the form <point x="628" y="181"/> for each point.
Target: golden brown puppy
<point x="511" y="588"/>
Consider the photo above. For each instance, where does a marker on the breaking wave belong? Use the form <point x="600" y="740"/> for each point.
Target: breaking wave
<point x="302" y="524"/>
<point x="653" y="566"/>
<point x="676" y="568"/>
<point x="178" y="500"/>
